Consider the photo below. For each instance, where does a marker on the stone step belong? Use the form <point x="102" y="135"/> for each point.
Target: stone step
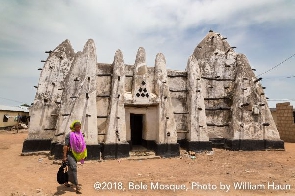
<point x="35" y="153"/>
<point x="141" y="153"/>
<point x="143" y="157"/>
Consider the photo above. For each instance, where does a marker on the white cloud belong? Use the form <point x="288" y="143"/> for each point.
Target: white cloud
<point x="171" y="27"/>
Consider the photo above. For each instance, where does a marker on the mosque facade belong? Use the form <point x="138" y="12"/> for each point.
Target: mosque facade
<point x="217" y="101"/>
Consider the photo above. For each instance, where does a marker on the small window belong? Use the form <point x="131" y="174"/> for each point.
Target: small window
<point x="294" y="116"/>
<point x="5" y="118"/>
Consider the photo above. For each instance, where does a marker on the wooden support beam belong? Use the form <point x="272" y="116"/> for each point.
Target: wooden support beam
<point x="218" y="79"/>
<point x="104" y="75"/>
<point x="180" y="112"/>
<point x="216" y="98"/>
<point x="59" y="134"/>
<point x="216" y="125"/>
<point x="182" y="131"/>
<point x="172" y="90"/>
<point x="102" y="116"/>
<point x="219" y="108"/>
<point x="174" y="76"/>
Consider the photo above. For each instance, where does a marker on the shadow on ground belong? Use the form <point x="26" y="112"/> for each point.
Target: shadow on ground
<point x="62" y="189"/>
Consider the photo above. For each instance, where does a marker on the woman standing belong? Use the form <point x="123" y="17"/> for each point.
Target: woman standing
<point x="74" y="150"/>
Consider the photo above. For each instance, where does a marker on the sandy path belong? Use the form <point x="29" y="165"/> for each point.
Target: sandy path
<point x="36" y="175"/>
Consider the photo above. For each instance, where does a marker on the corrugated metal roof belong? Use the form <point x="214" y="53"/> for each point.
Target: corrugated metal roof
<point x="14" y="108"/>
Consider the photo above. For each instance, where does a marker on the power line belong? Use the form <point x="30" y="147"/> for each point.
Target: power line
<point x="11" y="100"/>
<point x="281" y="77"/>
<point x="276" y="65"/>
<point x="281" y="100"/>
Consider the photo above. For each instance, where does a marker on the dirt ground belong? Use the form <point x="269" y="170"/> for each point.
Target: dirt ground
<point x="211" y="173"/>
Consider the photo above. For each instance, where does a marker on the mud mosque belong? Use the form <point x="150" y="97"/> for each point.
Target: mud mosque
<point x="217" y="101"/>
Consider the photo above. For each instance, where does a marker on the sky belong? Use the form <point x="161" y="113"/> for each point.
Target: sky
<point x="263" y="30"/>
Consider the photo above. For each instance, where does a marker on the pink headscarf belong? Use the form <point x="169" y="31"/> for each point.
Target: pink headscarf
<point x="77" y="141"/>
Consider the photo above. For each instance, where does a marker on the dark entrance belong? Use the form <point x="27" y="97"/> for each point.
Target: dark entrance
<point x="136" y="128"/>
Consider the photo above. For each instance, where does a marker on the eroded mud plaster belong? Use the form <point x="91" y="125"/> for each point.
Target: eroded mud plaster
<point x="217" y="98"/>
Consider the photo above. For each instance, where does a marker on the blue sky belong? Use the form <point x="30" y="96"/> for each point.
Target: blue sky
<point x="263" y="30"/>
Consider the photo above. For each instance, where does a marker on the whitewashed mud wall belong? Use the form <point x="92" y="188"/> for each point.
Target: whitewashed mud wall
<point x="197" y="117"/>
<point x="66" y="92"/>
<point x="253" y="116"/>
<point x="167" y="125"/>
<point x="216" y="97"/>
<point x="222" y="84"/>
<point x="150" y="122"/>
<point x="45" y="109"/>
<point x="177" y="81"/>
<point x="116" y="128"/>
<point x="236" y="106"/>
<point x="78" y="101"/>
<point x="103" y="91"/>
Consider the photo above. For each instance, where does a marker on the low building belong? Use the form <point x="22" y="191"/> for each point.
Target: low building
<point x="9" y="115"/>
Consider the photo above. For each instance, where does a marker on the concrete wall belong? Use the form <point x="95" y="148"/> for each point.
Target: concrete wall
<point x="285" y="121"/>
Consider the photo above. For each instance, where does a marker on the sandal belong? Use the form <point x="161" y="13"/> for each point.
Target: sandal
<point x="78" y="189"/>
